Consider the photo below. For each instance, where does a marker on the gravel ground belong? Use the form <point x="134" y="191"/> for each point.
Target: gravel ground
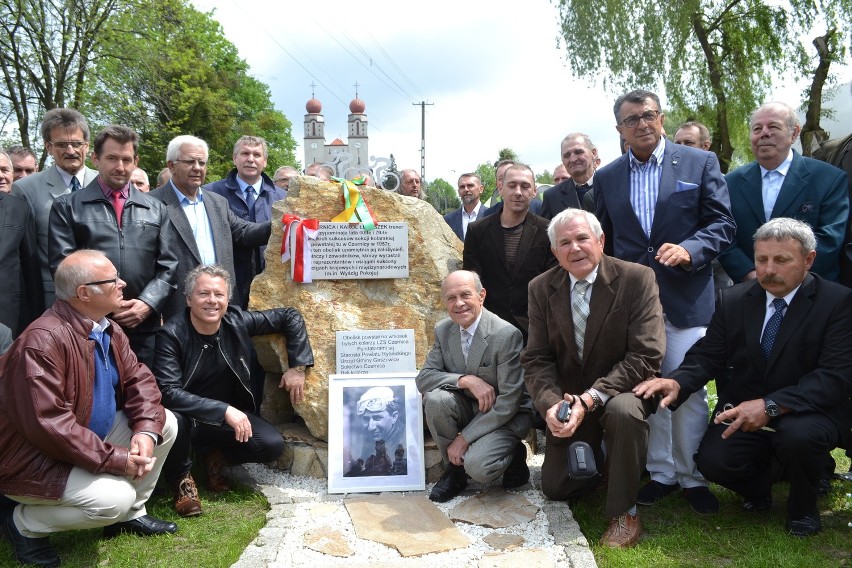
<point x="301" y="504"/>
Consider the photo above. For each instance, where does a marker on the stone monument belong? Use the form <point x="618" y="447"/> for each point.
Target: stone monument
<point x="329" y="306"/>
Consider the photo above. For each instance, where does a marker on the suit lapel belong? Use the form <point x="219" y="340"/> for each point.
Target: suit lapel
<point x="179" y="220"/>
<point x="622" y="211"/>
<point x="565" y="196"/>
<point x="670" y="167"/>
<point x="478" y="345"/>
<point x="527" y="238"/>
<point x="752" y="193"/>
<point x="55" y="185"/>
<point x="218" y="218"/>
<point x="498" y="243"/>
<point x="795" y="316"/>
<point x="454" y="345"/>
<point x="602" y="298"/>
<point x="794" y="185"/>
<point x="559" y="302"/>
<point x="754" y="313"/>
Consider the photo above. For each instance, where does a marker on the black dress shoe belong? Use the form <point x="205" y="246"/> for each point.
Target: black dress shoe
<point x="824" y="486"/>
<point x="146" y="525"/>
<point x="33" y="551"/>
<point x="518" y="472"/>
<point x="701" y="500"/>
<point x="808" y="525"/>
<point x="453" y="482"/>
<point x="654" y="491"/>
<point x="758" y="505"/>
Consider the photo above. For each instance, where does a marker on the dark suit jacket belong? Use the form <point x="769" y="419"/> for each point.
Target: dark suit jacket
<point x="226" y="229"/>
<point x="558" y="198"/>
<point x="40" y="190"/>
<point x="494" y="357"/>
<point x="838" y="152"/>
<point x="22" y="299"/>
<point x="248" y="261"/>
<point x="454" y="220"/>
<point x="813" y="192"/>
<point x="810" y="366"/>
<point x="625" y="335"/>
<point x="693" y="211"/>
<point x="485" y="254"/>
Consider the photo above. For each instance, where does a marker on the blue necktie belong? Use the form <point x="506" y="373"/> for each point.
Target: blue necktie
<point x="250" y="199"/>
<point x="75" y="183"/>
<point x="772" y="327"/>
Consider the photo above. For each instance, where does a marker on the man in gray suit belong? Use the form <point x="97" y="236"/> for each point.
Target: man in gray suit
<point x="205" y="228"/>
<point x="473" y="392"/>
<point x="66" y="135"/>
<point x="593" y="361"/>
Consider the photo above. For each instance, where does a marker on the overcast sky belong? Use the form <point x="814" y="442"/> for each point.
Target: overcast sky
<point x="495" y="77"/>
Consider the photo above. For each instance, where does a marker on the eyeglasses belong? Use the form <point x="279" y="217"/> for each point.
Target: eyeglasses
<point x="99" y="282"/>
<point x="287" y="180"/>
<point x="633" y="121"/>
<point x="64" y="145"/>
<point x="372" y="405"/>
<point x="191" y="162"/>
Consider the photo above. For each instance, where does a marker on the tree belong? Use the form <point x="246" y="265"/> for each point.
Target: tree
<point x="46" y="51"/>
<point x="388" y="181"/>
<point x="546" y="177"/>
<point x="442" y="196"/>
<point x="486" y="173"/>
<point x="713" y="58"/>
<point x="182" y="77"/>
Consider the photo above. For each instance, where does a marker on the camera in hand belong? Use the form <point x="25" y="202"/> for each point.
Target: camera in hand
<point x="563" y="413"/>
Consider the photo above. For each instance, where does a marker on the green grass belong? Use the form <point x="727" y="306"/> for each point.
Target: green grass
<point x="675" y="536"/>
<point x="215" y="539"/>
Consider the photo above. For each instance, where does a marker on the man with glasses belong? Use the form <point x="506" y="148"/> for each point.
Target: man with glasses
<point x="283" y="176"/>
<point x="83" y="435"/>
<point x="130" y="227"/>
<point x="66" y="135"/>
<point x="206" y="229"/>
<point x="666" y="206"/>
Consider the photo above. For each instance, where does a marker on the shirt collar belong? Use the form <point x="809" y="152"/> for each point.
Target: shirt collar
<point x="590" y="278"/>
<point x="244" y="185"/>
<point x="66" y="177"/>
<point x="100" y="326"/>
<point x="107" y="190"/>
<point x="656" y="155"/>
<point x="471" y="329"/>
<point x="788" y="298"/>
<point x="184" y="199"/>
<point x="782" y="168"/>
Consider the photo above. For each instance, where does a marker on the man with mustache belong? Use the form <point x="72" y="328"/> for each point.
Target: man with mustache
<point x="780" y="348"/>
<point x="783" y="183"/>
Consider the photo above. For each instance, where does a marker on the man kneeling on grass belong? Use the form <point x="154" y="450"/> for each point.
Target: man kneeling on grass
<point x="201" y="364"/>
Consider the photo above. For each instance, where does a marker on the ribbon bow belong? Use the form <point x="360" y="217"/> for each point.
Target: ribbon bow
<point x="298" y="233"/>
<point x="356" y="209"/>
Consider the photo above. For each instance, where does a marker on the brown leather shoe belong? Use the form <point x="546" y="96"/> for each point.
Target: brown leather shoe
<point x="623" y="531"/>
<point x="187" y="503"/>
<point x="216" y="464"/>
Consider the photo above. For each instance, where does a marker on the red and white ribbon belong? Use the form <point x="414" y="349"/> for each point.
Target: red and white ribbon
<point x="296" y="243"/>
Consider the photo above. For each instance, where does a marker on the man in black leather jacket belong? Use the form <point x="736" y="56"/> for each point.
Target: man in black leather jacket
<point x="201" y="365"/>
<point x="132" y="229"/>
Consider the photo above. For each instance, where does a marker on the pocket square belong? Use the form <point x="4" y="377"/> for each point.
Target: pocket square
<point x="685" y="186"/>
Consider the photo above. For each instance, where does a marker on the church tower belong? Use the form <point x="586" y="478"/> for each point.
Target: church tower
<point x="314" y="142"/>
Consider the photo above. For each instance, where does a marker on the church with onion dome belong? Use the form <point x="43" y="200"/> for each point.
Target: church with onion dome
<point x="353" y="153"/>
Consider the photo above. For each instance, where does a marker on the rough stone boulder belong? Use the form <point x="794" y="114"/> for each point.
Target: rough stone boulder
<point x="329" y="306"/>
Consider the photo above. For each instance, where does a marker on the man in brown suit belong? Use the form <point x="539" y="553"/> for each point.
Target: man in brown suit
<point x="595" y="331"/>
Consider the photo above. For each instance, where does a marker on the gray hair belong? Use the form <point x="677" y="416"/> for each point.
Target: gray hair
<point x="783" y="228"/>
<point x="477" y="281"/>
<point x="251" y="141"/>
<point x="174" y="146"/>
<point x="71" y="275"/>
<point x="791" y="121"/>
<point x="637" y="96"/>
<point x="212" y="270"/>
<point x="66" y="119"/>
<point x="566" y="216"/>
<point x="587" y="142"/>
<point x="21" y="152"/>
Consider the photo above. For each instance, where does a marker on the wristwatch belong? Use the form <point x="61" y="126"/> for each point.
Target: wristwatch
<point x="300" y="368"/>
<point x="772" y="409"/>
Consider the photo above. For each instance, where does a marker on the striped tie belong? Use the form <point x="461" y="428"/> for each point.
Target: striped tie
<point x="580" y="313"/>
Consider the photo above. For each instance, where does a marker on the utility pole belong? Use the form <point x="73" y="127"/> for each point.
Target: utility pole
<point x="422" y="105"/>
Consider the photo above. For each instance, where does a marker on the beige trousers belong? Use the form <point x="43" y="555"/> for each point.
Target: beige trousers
<point x="90" y="500"/>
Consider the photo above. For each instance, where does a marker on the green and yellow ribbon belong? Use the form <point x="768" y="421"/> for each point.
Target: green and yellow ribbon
<point x="356" y="209"/>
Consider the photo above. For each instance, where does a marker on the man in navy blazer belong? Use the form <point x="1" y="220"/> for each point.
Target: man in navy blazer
<point x="780" y="348"/>
<point x="580" y="157"/>
<point x="255" y="206"/>
<point x="783" y="183"/>
<point x="666" y="206"/>
<point x="470" y="188"/>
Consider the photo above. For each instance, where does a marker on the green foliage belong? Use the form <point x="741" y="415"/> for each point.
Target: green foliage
<point x="544" y="177"/>
<point x="487" y="174"/>
<point x="442" y="196"/>
<point x="182" y="76"/>
<point x="712" y="58"/>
